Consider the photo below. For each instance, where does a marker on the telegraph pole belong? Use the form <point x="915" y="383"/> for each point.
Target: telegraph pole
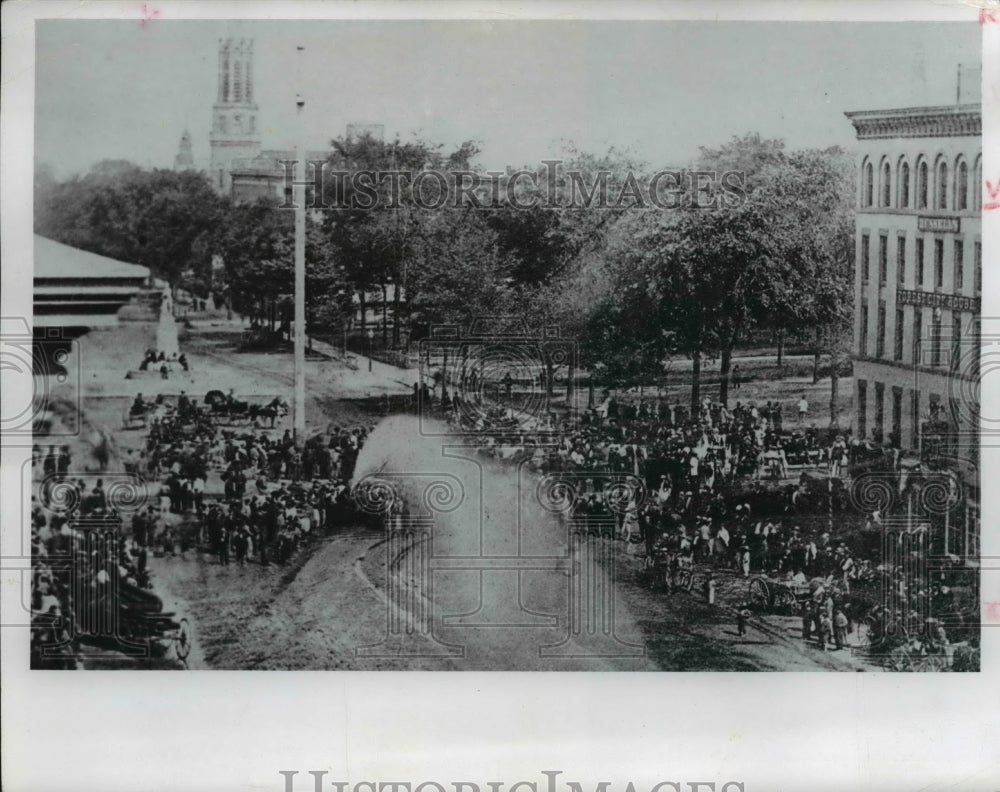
<point x="299" y="199"/>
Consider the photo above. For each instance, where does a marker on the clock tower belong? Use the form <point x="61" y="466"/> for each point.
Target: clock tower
<point x="234" y="114"/>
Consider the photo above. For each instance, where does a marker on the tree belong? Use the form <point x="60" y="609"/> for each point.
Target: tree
<point x="156" y="218"/>
<point x="256" y="241"/>
<point x="376" y="245"/>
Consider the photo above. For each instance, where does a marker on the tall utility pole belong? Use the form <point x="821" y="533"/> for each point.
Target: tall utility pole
<point x="299" y="199"/>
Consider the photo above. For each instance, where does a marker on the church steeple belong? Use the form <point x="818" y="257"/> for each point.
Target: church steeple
<point x="185" y="157"/>
<point x="234" y="116"/>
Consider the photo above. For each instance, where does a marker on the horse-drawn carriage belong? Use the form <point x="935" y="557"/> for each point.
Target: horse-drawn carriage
<point x="231" y="409"/>
<point x="771" y="594"/>
<point x="669" y="570"/>
<point x="131" y="619"/>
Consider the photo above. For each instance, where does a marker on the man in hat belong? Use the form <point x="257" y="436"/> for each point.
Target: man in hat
<point x="840" y="628"/>
<point x="743" y="560"/>
<point x="742" y="615"/>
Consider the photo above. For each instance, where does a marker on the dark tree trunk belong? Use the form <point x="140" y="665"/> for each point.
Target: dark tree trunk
<point x="364" y="310"/>
<point x="834" y="387"/>
<point x="781" y="348"/>
<point x="725" y="367"/>
<point x="816" y="358"/>
<point x="385" y="317"/>
<point x="695" y="382"/>
<point x="444" y="375"/>
<point x="395" y="315"/>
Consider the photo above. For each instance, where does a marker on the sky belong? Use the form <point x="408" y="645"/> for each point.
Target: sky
<point x="121" y="89"/>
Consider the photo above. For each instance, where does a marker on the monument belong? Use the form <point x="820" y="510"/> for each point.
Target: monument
<point x="166" y="330"/>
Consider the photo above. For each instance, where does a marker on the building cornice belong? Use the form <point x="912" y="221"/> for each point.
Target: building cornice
<point x="910" y="122"/>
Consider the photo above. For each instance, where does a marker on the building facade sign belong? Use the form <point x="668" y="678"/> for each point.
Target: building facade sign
<point x="938" y="224"/>
<point x="954" y="302"/>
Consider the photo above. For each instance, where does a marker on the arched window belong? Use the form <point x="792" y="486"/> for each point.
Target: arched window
<point x="942" y="186"/>
<point x="886" y="185"/>
<point x="904" y="185"/>
<point x="977" y="184"/>
<point x="238" y="82"/>
<point x="922" y="185"/>
<point x="868" y="186"/>
<point x="962" y="186"/>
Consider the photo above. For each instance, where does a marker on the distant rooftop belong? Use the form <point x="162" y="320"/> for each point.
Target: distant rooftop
<point x="938" y="121"/>
<point x="54" y="260"/>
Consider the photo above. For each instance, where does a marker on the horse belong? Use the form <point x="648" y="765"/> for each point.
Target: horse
<point x="276" y="408"/>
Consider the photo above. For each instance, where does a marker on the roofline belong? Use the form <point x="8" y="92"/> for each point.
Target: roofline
<point x="924" y="110"/>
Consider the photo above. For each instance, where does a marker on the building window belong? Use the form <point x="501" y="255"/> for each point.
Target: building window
<point x="862" y="409"/>
<point x="922" y="186"/>
<point x="976" y="342"/>
<point x="238" y="82"/>
<point x="918" y="331"/>
<point x="895" y="435"/>
<point x="959" y="265"/>
<point x="956" y="340"/>
<point x="936" y="339"/>
<point x="880" y="338"/>
<point x="904" y="185"/>
<point x="864" y="258"/>
<point x="901" y="260"/>
<point x="942" y="186"/>
<point x="879" y="431"/>
<point x="886" y="185"/>
<point x="897" y="348"/>
<point x="914" y="419"/>
<point x="977" y="258"/>
<point x="939" y="263"/>
<point x="962" y="187"/>
<point x="868" y="187"/>
<point x="977" y="185"/>
<point x="883" y="259"/>
<point x="863" y="343"/>
<point x="919" y="262"/>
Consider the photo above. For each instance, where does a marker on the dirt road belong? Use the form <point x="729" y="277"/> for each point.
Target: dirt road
<point x="352" y="600"/>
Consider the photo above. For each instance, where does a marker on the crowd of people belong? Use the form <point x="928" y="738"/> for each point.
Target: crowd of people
<point x="84" y="568"/>
<point x="699" y="490"/>
<point x="702" y="496"/>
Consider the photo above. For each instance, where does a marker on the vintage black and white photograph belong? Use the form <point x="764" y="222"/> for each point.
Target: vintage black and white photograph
<point x="525" y="345"/>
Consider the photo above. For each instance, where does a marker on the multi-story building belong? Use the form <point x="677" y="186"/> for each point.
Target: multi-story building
<point x="918" y="281"/>
<point x="234" y="114"/>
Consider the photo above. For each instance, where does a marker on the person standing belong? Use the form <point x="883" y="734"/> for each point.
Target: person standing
<point x="807" y="622"/>
<point x="840" y="629"/>
<point x="825" y="630"/>
<point x="742" y="615"/>
<point x="225" y="535"/>
<point x="803" y="408"/>
<point x="708" y="587"/>
<point x="743" y="560"/>
<point x="140" y="527"/>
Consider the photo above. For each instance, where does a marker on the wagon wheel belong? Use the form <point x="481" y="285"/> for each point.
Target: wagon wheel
<point x="785" y="599"/>
<point x="182" y="641"/>
<point x="899" y="659"/>
<point x="759" y="594"/>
